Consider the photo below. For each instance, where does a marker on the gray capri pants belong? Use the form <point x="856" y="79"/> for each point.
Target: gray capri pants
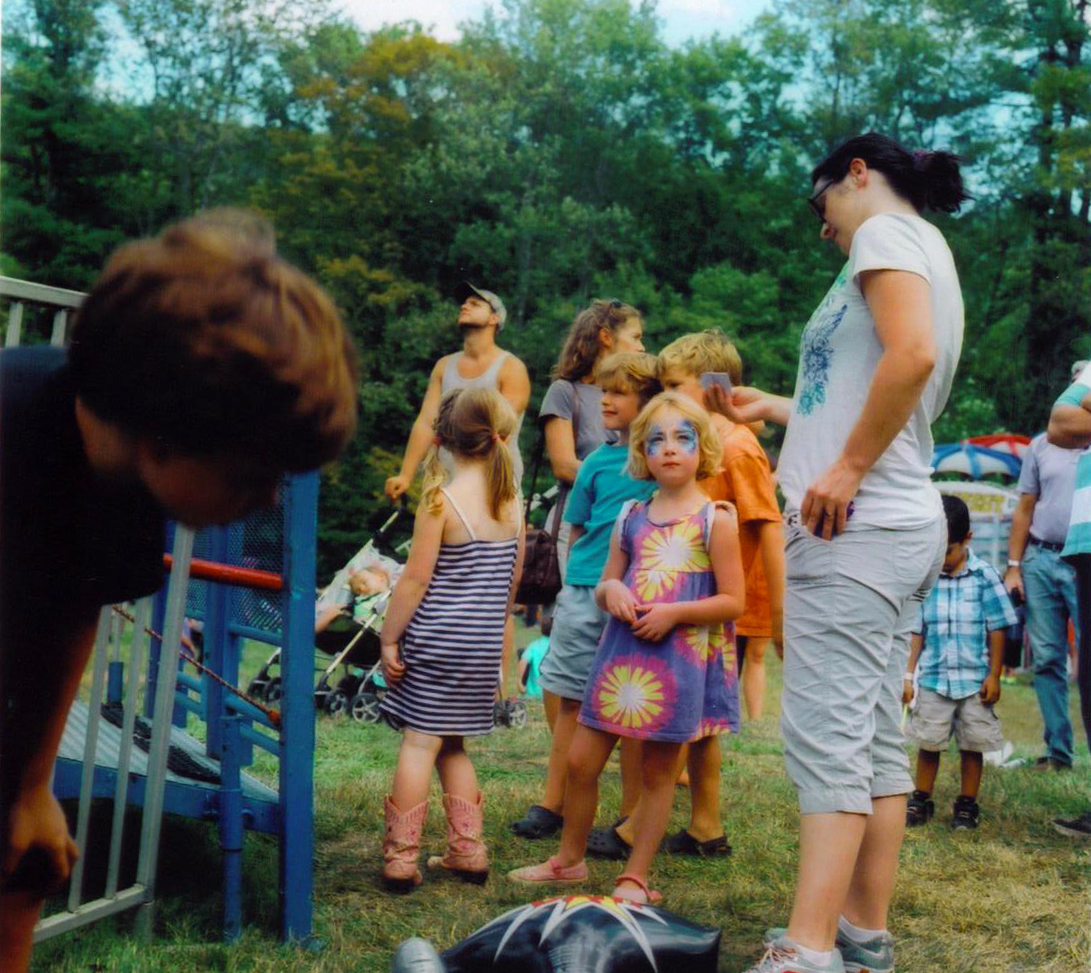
<point x="850" y="607"/>
<point x="577" y="627"/>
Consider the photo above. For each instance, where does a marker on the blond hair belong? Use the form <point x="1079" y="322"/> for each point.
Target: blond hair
<point x="702" y="351"/>
<point x="629" y="371"/>
<point x="473" y="423"/>
<point x="708" y="443"/>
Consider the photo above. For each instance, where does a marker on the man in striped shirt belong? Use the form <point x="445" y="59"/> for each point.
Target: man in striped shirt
<point x="960" y="650"/>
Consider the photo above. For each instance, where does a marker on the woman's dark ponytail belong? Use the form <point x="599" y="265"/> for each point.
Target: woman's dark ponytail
<point x="940" y="180"/>
<point x="928" y="180"/>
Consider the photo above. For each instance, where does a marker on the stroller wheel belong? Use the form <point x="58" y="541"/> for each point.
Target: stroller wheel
<point x="517" y="713"/>
<point x="337" y="702"/>
<point x="273" y="691"/>
<point x="365" y="707"/>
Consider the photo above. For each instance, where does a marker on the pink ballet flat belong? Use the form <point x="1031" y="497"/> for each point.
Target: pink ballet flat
<point x="550" y="871"/>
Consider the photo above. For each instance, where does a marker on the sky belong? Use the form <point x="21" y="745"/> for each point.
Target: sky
<point x="683" y="19"/>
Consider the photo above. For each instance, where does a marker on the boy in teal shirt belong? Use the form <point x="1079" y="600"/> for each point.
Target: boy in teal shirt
<point x="628" y="381"/>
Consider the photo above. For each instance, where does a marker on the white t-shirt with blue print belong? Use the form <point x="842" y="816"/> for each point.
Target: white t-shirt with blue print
<point x="839" y="352"/>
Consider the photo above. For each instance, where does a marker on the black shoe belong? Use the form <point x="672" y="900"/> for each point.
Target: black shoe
<point x="919" y="809"/>
<point x="607" y="843"/>
<point x="683" y="843"/>
<point x="1075" y="827"/>
<point x="538" y="822"/>
<point x="964" y="817"/>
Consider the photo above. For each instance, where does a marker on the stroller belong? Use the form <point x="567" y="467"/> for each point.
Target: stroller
<point x="350" y="635"/>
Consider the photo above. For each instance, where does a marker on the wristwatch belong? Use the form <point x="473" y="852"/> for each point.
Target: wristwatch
<point x="1013" y="563"/>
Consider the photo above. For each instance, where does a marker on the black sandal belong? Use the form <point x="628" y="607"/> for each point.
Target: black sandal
<point x="684" y="843"/>
<point x="538" y="822"/>
<point x="607" y="843"/>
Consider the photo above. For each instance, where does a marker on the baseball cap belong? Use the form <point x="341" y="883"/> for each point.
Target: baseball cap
<point x="465" y="289"/>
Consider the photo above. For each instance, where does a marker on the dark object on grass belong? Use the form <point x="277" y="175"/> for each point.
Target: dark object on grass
<point x="573" y="934"/>
<point x="538" y="822"/>
<point x="607" y="843"/>
<point x="683" y="843"/>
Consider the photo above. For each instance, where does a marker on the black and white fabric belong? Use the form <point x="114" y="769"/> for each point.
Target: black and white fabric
<point x="452" y="646"/>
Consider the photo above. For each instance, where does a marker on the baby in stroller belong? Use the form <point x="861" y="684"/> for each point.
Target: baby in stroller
<point x="348" y="616"/>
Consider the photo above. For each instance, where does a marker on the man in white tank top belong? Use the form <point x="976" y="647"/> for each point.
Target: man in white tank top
<point x="480" y="363"/>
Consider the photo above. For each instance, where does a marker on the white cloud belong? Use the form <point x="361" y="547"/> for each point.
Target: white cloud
<point x="683" y="18"/>
<point x="440" y="19"/>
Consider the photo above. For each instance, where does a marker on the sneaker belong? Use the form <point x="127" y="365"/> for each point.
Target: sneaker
<point x="874" y="956"/>
<point x="1075" y="827"/>
<point x="919" y="809"/>
<point x="964" y="817"/>
<point x="783" y="956"/>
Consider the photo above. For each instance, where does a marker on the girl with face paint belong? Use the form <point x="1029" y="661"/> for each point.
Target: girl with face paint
<point x="672" y="584"/>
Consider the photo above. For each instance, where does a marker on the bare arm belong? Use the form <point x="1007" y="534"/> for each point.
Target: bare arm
<point x="560" y="446"/>
<point x="750" y="406"/>
<point x="1070" y="426"/>
<point x="916" y="643"/>
<point x="611" y="593"/>
<point x="1017" y="542"/>
<point x="513" y="383"/>
<point x="35" y="819"/>
<point x="900" y="302"/>
<point x="520" y="551"/>
<point x="420" y="436"/>
<point x="990" y="689"/>
<point x="576" y="531"/>
<point x="411" y="586"/>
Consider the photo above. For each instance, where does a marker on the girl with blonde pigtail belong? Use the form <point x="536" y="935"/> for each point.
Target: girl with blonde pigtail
<point x="444" y="630"/>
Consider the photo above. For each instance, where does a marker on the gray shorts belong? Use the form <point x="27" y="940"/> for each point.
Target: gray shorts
<point x="850" y="606"/>
<point x="934" y="718"/>
<point x="577" y="627"/>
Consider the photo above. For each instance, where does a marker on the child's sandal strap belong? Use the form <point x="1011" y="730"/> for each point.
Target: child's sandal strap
<point x="650" y="897"/>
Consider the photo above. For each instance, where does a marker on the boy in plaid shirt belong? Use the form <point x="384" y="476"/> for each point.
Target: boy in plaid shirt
<point x="960" y="648"/>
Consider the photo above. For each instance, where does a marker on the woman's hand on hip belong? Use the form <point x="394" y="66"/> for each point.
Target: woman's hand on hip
<point x="826" y="505"/>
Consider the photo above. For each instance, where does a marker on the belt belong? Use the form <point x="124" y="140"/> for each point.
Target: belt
<point x="1046" y="544"/>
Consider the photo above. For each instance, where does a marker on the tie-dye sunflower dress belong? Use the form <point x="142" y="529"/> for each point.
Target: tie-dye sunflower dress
<point x="685" y="687"/>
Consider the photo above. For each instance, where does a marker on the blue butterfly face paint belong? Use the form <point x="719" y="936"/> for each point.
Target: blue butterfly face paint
<point x="682" y="434"/>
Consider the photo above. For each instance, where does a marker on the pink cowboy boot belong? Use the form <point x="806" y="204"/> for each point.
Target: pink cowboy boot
<point x="466" y="855"/>
<point x="401" y="846"/>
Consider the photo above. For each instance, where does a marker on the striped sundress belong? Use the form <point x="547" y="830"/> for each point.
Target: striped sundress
<point x="452" y="645"/>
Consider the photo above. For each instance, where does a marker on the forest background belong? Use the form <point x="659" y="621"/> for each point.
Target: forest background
<point x="560" y="150"/>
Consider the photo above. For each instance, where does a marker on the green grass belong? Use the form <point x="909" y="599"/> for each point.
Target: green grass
<point x="1012" y="896"/>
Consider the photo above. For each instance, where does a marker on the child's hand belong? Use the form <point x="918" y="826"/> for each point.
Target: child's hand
<point x="620" y="601"/>
<point x="990" y="690"/>
<point x="907" y="691"/>
<point x="393" y="667"/>
<point x="655" y="622"/>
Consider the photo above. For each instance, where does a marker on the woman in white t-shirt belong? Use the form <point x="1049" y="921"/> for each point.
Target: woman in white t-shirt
<point x="865" y="534"/>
